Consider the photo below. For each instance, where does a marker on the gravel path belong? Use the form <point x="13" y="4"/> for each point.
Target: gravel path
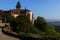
<point x="6" y="37"/>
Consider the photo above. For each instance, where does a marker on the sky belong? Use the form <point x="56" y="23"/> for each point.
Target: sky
<point x="49" y="9"/>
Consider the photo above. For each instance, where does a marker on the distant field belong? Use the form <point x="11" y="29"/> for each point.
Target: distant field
<point x="56" y="25"/>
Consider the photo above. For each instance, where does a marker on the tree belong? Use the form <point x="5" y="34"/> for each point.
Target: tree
<point x="8" y="17"/>
<point x="24" y="24"/>
<point x="43" y="26"/>
<point x="40" y="23"/>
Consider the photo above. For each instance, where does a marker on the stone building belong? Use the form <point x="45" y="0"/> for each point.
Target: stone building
<point x="17" y="11"/>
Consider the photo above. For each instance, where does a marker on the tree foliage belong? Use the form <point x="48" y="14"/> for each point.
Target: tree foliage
<point x="24" y="24"/>
<point x="43" y="26"/>
<point x="8" y="17"/>
<point x="40" y="23"/>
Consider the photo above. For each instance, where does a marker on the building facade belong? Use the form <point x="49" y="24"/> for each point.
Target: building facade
<point x="18" y="11"/>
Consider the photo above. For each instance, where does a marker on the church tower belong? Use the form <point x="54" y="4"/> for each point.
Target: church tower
<point x="18" y="7"/>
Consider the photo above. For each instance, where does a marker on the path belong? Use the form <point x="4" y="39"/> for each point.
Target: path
<point x="6" y="37"/>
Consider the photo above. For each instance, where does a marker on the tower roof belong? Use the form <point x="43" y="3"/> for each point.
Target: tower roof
<point x="18" y="5"/>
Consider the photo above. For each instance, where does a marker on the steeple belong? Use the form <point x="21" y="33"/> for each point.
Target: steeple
<point x="25" y="10"/>
<point x="18" y="5"/>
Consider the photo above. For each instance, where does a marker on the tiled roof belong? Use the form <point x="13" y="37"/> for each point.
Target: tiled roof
<point x="14" y="11"/>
